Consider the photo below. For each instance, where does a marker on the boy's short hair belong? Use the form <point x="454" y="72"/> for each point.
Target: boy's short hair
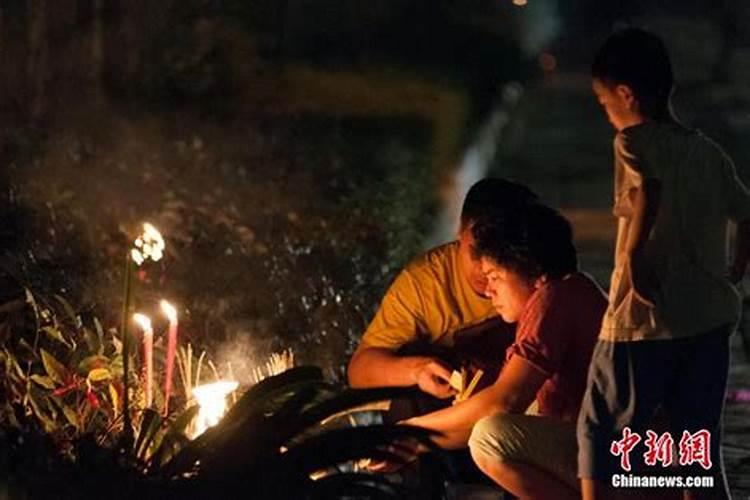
<point x="493" y="195"/>
<point x="533" y="242"/>
<point x="638" y="59"/>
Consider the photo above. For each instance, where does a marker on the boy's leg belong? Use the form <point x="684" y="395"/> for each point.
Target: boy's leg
<point x="626" y="383"/>
<point x="696" y="403"/>
<point x="530" y="456"/>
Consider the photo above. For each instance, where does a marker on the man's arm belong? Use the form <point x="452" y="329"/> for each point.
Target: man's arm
<point x="380" y="367"/>
<point x="513" y="392"/>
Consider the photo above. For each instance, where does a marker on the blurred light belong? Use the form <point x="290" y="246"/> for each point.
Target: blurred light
<point x="212" y="399"/>
<point x="547" y="62"/>
<point x="519" y="3"/>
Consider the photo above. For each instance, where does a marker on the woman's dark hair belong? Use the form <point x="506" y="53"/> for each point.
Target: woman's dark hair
<point x="533" y="242"/>
<point x="492" y="195"/>
<point x="640" y="60"/>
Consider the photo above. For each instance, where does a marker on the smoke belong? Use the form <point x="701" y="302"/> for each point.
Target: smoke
<point x="243" y="353"/>
<point x="475" y="163"/>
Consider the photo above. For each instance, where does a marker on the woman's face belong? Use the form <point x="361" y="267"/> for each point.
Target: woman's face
<point x="508" y="290"/>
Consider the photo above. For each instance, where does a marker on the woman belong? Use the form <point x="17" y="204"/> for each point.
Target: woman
<point x="531" y="267"/>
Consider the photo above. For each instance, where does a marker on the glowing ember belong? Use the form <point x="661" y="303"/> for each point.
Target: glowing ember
<point x="212" y="399"/>
<point x="277" y="363"/>
<point x="149" y="245"/>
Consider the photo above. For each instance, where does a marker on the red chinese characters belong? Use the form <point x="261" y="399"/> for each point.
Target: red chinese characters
<point x="696" y="448"/>
<point x="624" y="446"/>
<point x="659" y="449"/>
<point x="693" y="448"/>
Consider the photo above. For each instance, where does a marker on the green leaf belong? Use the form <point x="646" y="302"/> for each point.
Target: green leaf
<point x="98" y="327"/>
<point x="149" y="427"/>
<point x="48" y="424"/>
<point x="91" y="362"/>
<point x="26" y="351"/>
<point x="56" y="334"/>
<point x="33" y="303"/>
<point x="174" y="439"/>
<point x="99" y="375"/>
<point x="70" y="415"/>
<point x="99" y="334"/>
<point x="69" y="311"/>
<point x="92" y="341"/>
<point x="45" y="382"/>
<point x="181" y="423"/>
<point x="54" y="368"/>
<point x="16" y="367"/>
<point x="114" y="397"/>
<point x="117" y="343"/>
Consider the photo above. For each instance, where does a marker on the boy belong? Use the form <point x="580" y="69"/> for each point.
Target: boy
<point x="665" y="336"/>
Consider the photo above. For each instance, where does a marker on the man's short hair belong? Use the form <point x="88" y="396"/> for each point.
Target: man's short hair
<point x="535" y="241"/>
<point x="494" y="196"/>
<point x="638" y="59"/>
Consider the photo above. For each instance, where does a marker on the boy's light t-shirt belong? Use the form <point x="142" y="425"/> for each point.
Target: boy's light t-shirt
<point x="431" y="300"/>
<point x="687" y="248"/>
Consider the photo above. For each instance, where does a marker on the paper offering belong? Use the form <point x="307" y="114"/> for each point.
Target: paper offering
<point x="459" y="381"/>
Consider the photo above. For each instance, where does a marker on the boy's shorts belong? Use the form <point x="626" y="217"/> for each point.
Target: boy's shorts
<point x="627" y="381"/>
<point x="549" y="444"/>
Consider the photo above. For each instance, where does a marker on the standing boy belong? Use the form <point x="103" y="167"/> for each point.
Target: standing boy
<point x="665" y="337"/>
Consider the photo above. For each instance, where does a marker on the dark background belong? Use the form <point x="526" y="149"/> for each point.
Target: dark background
<point x="296" y="153"/>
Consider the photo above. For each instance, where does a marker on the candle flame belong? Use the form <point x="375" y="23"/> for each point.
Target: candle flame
<point x="143" y="321"/>
<point x="149" y="245"/>
<point x="169" y="310"/>
<point x="212" y="399"/>
<point x="136" y="256"/>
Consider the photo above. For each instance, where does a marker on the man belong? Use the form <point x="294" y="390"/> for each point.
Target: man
<point x="436" y="298"/>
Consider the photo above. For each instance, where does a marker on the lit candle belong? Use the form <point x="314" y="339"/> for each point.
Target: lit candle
<point x="171" y="314"/>
<point x="148" y="354"/>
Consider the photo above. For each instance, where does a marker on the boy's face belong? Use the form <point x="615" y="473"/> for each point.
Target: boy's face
<point x="619" y="103"/>
<point x="508" y="290"/>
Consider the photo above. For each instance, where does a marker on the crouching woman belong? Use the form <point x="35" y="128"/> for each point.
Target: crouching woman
<point x="531" y="266"/>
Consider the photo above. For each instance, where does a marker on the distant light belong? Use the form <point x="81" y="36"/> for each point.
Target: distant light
<point x="547" y="62"/>
<point x="520" y="3"/>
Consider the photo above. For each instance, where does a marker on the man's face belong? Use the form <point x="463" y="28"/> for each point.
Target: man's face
<point x="508" y="290"/>
<point x="470" y="267"/>
<point x="619" y="103"/>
